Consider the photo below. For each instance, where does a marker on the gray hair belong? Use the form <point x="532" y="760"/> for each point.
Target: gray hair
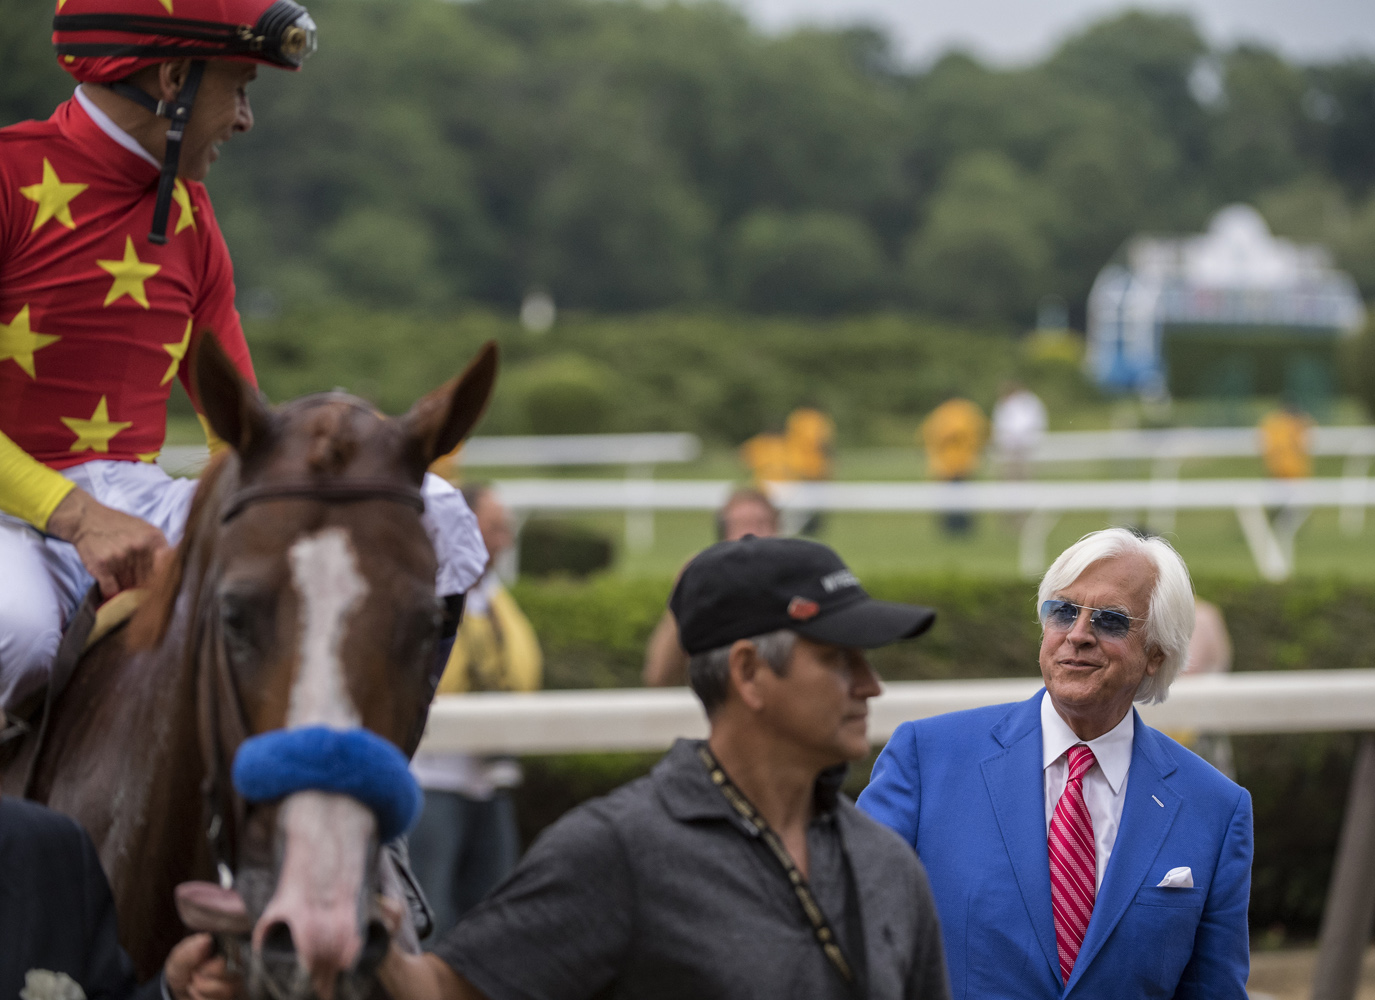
<point x="709" y="672"/>
<point x="1170" y="618"/>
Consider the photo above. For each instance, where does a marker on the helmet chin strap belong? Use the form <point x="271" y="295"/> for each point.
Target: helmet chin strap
<point x="179" y="111"/>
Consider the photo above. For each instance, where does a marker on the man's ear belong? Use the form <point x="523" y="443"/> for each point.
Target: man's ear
<point x="745" y="666"/>
<point x="171" y="76"/>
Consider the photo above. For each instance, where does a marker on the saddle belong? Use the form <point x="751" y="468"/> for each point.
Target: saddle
<point x="23" y="732"/>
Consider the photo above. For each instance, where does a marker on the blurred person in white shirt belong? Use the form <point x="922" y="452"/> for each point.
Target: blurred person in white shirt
<point x="1019" y="424"/>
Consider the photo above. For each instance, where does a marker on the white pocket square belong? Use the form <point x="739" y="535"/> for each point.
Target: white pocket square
<point x="1177" y="878"/>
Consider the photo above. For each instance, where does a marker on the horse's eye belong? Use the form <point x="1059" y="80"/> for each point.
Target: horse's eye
<point x="240" y="623"/>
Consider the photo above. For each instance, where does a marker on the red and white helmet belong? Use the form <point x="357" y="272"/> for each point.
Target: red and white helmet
<point x="100" y="41"/>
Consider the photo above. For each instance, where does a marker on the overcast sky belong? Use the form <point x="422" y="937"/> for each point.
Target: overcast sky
<point x="1021" y="31"/>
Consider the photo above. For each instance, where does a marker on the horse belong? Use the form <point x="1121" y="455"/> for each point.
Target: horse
<point x="301" y="595"/>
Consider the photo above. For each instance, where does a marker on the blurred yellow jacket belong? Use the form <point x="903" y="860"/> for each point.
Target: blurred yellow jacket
<point x="1284" y="444"/>
<point x="954" y="436"/>
<point x="496" y="650"/>
<point x="808" y="440"/>
<point x="767" y="457"/>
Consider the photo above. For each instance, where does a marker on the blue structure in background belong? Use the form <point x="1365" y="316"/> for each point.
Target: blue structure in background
<point x="1233" y="311"/>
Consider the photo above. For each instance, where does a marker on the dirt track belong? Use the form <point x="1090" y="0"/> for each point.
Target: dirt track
<point x="1288" y="975"/>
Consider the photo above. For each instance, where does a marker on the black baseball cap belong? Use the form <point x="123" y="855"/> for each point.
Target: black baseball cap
<point x="740" y="589"/>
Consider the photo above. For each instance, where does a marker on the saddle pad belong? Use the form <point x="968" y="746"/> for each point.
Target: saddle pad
<point x="114" y="613"/>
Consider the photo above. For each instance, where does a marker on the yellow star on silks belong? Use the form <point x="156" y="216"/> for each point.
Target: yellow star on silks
<point x="54" y="198"/>
<point x="129" y="274"/>
<point x="95" y="434"/>
<point x="18" y="342"/>
<point x="187" y="218"/>
<point x="148" y="457"/>
<point x="167" y="4"/>
<point x="178" y="352"/>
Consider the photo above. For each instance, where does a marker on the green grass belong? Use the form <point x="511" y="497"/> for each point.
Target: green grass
<point x="1210" y="541"/>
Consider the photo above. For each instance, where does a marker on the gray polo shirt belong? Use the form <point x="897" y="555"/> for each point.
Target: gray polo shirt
<point x="659" y="890"/>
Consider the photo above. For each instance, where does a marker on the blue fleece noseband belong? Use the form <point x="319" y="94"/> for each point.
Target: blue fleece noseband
<point x="351" y="762"/>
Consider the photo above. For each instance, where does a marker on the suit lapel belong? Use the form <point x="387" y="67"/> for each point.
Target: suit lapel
<point x="1016" y="787"/>
<point x="1148" y="812"/>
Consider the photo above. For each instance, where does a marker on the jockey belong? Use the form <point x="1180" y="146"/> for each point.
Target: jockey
<point x="111" y="266"/>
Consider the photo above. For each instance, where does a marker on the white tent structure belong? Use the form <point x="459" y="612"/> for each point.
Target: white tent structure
<point x="1234" y="295"/>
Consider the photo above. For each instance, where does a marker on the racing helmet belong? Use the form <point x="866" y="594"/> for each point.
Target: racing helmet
<point x="105" y="41"/>
<point x="100" y="41"/>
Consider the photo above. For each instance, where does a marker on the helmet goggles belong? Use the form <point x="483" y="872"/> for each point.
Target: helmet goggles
<point x="97" y="44"/>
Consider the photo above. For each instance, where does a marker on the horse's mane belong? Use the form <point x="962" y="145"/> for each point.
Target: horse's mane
<point x="149" y="624"/>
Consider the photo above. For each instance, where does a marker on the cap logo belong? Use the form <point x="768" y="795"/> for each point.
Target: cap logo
<point x="800" y="609"/>
<point x="832" y="582"/>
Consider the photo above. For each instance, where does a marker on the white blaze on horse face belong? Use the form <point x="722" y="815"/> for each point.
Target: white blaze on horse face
<point x="325" y="836"/>
<point x="326" y="576"/>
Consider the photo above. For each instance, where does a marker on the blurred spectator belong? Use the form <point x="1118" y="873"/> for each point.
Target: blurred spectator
<point x="1210" y="652"/>
<point x="809" y="440"/>
<point x="466" y="841"/>
<point x="954" y="436"/>
<point x="1019" y="424"/>
<point x="767" y="456"/>
<point x="745" y="512"/>
<point x="1285" y="443"/>
<point x="803" y="451"/>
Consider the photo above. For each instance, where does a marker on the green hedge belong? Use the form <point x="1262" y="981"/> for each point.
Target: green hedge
<point x="724" y="377"/>
<point x="594" y="635"/>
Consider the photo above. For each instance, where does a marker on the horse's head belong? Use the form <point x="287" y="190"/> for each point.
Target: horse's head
<point x="318" y="620"/>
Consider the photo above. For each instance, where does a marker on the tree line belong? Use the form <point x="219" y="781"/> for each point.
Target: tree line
<point x="625" y="156"/>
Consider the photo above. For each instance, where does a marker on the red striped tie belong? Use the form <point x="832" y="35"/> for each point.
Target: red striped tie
<point x="1072" y="862"/>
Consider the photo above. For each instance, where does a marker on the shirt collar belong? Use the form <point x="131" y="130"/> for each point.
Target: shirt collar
<point x="107" y="125"/>
<point x="1112" y="750"/>
<point x="688" y="793"/>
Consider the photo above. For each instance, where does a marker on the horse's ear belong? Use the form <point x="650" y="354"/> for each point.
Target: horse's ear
<point x="438" y="422"/>
<point x="233" y="408"/>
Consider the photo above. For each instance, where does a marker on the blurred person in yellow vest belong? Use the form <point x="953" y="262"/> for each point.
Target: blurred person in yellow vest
<point x="1285" y="443"/>
<point x="745" y="512"/>
<point x="954" y="434"/>
<point x="809" y="439"/>
<point x="803" y="451"/>
<point x="466" y="841"/>
<point x="767" y="457"/>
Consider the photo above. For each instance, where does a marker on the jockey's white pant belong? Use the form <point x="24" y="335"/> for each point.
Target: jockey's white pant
<point x="42" y="580"/>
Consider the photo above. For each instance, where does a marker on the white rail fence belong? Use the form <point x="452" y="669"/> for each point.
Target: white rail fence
<point x="635" y="451"/>
<point x="1177" y="443"/>
<point x="642" y="719"/>
<point x="1271" y="546"/>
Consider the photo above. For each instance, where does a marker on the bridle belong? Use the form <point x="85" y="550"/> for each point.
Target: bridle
<point x="218" y="795"/>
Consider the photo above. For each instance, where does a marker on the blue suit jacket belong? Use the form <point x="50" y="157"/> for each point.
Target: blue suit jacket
<point x="966" y="790"/>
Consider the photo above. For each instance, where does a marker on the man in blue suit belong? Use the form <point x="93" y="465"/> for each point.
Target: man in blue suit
<point x="1073" y="850"/>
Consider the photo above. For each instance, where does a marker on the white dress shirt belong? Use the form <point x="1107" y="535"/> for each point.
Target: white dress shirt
<point x="1105" y="783"/>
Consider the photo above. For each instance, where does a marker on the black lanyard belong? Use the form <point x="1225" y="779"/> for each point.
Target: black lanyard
<point x="821" y="927"/>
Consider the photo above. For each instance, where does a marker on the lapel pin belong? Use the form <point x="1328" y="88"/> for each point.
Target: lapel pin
<point x="1158" y="802"/>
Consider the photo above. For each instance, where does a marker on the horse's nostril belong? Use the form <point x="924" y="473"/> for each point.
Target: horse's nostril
<point x="375" y="947"/>
<point x="277" y="942"/>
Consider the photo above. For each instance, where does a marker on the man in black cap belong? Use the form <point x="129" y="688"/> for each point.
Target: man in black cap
<point x="736" y="869"/>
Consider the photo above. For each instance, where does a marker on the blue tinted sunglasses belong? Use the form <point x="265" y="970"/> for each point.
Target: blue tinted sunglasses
<point x="1063" y="615"/>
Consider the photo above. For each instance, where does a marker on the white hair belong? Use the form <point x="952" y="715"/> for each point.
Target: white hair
<point x="1170" y="618"/>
